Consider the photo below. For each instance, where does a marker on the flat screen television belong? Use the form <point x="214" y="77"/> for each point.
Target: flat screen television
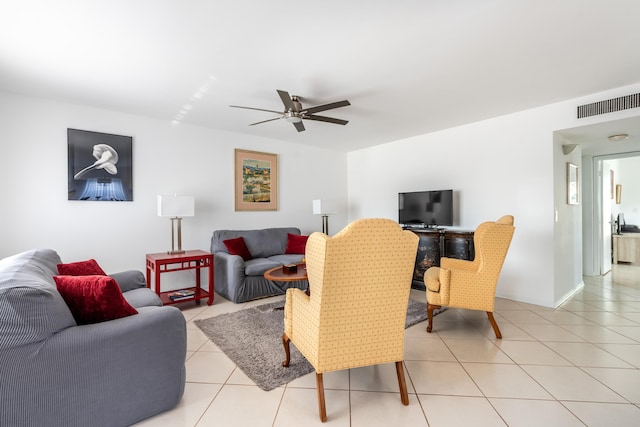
<point x="426" y="208"/>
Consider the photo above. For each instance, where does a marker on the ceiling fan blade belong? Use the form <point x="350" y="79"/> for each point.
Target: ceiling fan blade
<point x="258" y="109"/>
<point x="299" y="126"/>
<point x="326" y="119"/>
<point x="326" y="107"/>
<point x="286" y="100"/>
<point x="265" y="121"/>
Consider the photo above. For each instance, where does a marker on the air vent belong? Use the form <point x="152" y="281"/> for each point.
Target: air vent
<point x="609" y="106"/>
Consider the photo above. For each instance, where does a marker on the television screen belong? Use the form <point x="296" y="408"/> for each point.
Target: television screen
<point x="426" y="208"/>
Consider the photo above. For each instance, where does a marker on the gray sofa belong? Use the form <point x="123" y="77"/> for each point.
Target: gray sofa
<point x="54" y="372"/>
<point x="238" y="280"/>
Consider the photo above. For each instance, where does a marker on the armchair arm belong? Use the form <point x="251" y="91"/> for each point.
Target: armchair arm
<point x="438" y="283"/>
<point x="437" y="278"/>
<point x="444" y="283"/>
<point x="301" y="323"/>
<point x="469" y="290"/>
<point x="457" y="264"/>
<point x="95" y="374"/>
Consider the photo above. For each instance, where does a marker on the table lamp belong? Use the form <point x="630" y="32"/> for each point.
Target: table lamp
<point x="324" y="208"/>
<point x="176" y="207"/>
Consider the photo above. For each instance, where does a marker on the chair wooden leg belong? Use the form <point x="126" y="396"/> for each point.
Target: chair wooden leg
<point x="494" y="325"/>
<point x="430" y="308"/>
<point x="287" y="350"/>
<point x="322" y="407"/>
<point x="404" y="396"/>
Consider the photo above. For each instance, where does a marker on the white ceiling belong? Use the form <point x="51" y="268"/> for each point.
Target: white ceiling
<point x="407" y="67"/>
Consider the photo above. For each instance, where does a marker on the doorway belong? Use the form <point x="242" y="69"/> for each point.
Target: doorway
<point x="606" y="205"/>
<point x="593" y="140"/>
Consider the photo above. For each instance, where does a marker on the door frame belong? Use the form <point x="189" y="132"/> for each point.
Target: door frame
<point x="598" y="191"/>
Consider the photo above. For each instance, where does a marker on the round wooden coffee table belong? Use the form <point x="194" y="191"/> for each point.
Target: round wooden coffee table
<point x="277" y="274"/>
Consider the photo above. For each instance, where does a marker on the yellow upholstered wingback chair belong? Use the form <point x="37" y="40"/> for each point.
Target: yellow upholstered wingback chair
<point x="359" y="283"/>
<point x="471" y="284"/>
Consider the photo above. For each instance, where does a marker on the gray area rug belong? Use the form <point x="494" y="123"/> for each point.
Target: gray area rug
<point x="252" y="339"/>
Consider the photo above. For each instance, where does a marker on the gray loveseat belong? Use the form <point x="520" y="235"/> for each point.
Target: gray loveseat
<point x="238" y="280"/>
<point x="54" y="372"/>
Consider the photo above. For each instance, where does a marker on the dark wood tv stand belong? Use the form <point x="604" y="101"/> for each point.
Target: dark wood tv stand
<point x="436" y="243"/>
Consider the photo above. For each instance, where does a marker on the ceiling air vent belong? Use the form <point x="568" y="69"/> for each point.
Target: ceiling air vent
<point x="609" y="106"/>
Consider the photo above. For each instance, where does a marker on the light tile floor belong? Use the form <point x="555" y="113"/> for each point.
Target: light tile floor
<point x="573" y="366"/>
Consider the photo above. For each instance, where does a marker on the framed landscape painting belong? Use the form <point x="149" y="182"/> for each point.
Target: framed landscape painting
<point x="256" y="181"/>
<point x="99" y="166"/>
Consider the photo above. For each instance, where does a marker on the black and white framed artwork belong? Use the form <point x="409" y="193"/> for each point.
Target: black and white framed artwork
<point x="99" y="166"/>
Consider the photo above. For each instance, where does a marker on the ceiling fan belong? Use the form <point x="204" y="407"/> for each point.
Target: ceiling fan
<point x="295" y="113"/>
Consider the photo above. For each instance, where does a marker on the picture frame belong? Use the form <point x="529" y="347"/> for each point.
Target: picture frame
<point x="99" y="166"/>
<point x="256" y="181"/>
<point x="573" y="189"/>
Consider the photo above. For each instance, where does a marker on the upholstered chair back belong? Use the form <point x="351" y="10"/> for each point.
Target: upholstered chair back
<point x="359" y="284"/>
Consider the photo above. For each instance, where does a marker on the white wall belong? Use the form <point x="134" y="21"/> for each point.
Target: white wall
<point x="567" y="226"/>
<point x="167" y="159"/>
<point x="492" y="174"/>
<point x="506" y="165"/>
<point x="627" y="173"/>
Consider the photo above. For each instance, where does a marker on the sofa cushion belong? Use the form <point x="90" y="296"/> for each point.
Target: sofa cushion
<point x="257" y="266"/>
<point x="81" y="268"/>
<point x="296" y="244"/>
<point x="93" y="299"/>
<point x="237" y="246"/>
<point x="287" y="259"/>
<point x="261" y="243"/>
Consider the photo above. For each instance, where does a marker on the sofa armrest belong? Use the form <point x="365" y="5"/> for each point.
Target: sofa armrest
<point x="130" y="279"/>
<point x="111" y="373"/>
<point x="229" y="274"/>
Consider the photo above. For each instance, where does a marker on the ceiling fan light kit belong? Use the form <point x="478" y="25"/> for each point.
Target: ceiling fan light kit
<point x="292" y="117"/>
<point x="294" y="113"/>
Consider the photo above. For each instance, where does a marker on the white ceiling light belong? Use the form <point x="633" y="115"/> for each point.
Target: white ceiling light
<point x="618" y="137"/>
<point x="292" y="117"/>
<point x="568" y="148"/>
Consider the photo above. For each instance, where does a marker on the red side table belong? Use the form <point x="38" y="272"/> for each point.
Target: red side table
<point x="164" y="263"/>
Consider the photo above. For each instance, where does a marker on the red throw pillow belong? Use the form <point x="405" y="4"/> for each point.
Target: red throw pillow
<point x="237" y="246"/>
<point x="82" y="268"/>
<point x="93" y="299"/>
<point x="296" y="244"/>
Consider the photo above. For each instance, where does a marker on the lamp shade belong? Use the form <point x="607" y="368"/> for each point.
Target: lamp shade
<point x="323" y="207"/>
<point x="176" y="206"/>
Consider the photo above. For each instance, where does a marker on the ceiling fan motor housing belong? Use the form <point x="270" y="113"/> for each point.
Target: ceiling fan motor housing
<point x="296" y="103"/>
